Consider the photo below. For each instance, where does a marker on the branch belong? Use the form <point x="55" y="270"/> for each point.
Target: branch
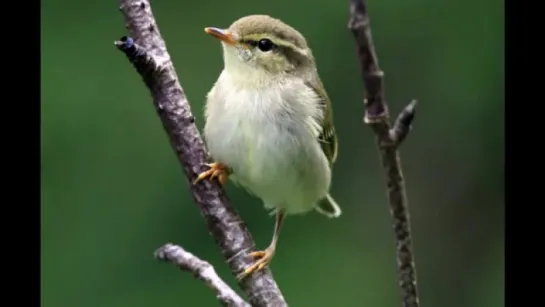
<point x="388" y="139"/>
<point x="203" y="271"/>
<point x="148" y="53"/>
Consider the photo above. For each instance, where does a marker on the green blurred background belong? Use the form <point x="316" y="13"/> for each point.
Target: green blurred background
<point x="113" y="191"/>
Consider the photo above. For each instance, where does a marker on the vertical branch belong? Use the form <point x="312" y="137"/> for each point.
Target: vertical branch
<point x="388" y="139"/>
<point x="147" y="51"/>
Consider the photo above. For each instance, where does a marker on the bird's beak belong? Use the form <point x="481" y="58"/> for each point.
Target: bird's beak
<point x="221" y="34"/>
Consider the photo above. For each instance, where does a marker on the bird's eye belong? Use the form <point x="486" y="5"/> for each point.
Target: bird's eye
<point x="265" y="45"/>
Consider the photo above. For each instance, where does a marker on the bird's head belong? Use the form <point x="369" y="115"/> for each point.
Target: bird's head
<point x="260" y="44"/>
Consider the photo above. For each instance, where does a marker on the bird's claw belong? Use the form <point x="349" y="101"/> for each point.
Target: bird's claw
<point x="263" y="259"/>
<point x="217" y="170"/>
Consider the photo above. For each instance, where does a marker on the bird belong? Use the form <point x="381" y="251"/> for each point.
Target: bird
<point x="269" y="124"/>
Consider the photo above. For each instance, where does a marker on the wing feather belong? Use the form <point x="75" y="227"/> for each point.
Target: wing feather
<point x="328" y="135"/>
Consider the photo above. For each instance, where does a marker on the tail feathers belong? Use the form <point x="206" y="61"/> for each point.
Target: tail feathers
<point x="328" y="207"/>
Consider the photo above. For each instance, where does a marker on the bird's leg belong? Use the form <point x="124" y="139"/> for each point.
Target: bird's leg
<point x="264" y="257"/>
<point x="216" y="170"/>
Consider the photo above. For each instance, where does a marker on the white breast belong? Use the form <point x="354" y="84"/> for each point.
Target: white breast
<point x="268" y="136"/>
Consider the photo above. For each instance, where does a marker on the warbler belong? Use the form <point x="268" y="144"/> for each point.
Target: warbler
<point x="269" y="123"/>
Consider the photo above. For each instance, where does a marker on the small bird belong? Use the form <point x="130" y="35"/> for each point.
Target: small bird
<point x="269" y="123"/>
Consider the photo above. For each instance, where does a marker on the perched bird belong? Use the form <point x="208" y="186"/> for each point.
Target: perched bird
<point x="269" y="124"/>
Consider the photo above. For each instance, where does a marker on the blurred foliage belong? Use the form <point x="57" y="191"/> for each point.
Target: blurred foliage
<point x="112" y="190"/>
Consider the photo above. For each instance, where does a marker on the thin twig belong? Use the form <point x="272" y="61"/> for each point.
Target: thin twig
<point x="202" y="270"/>
<point x="148" y="53"/>
<point x="388" y="139"/>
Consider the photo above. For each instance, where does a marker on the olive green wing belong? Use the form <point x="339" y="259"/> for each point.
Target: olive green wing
<point x="328" y="136"/>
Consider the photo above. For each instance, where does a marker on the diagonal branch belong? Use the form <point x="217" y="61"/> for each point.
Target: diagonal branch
<point x="202" y="270"/>
<point x="388" y="139"/>
<point x="149" y="55"/>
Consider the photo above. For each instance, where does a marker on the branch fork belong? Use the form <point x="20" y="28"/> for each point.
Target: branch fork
<point x="203" y="271"/>
<point x="388" y="140"/>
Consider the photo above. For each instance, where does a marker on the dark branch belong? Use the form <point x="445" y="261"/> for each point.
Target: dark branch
<point x="402" y="125"/>
<point x="149" y="55"/>
<point x="376" y="115"/>
<point x="202" y="270"/>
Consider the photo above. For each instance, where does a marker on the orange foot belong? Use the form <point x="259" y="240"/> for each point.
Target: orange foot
<point x="216" y="170"/>
<point x="265" y="258"/>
